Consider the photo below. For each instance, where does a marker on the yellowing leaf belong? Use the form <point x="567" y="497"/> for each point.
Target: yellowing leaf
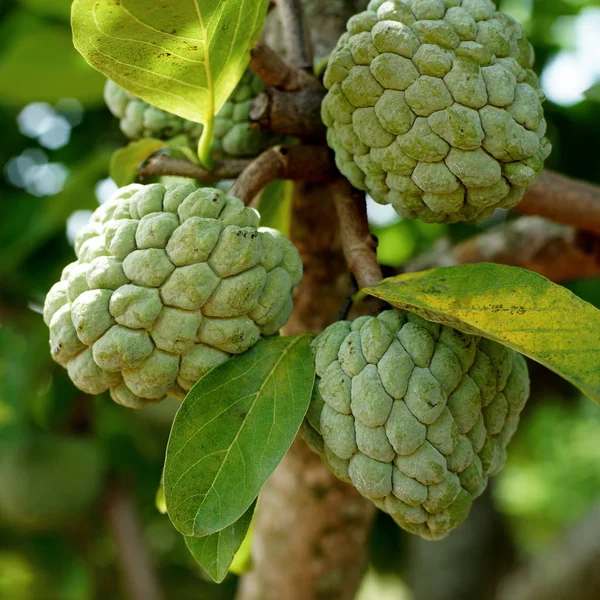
<point x="515" y="307"/>
<point x="185" y="57"/>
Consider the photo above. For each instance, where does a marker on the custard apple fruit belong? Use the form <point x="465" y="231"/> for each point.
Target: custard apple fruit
<point x="233" y="136"/>
<point x="169" y="282"/>
<point x="47" y="481"/>
<point x="415" y="415"/>
<point x="433" y="108"/>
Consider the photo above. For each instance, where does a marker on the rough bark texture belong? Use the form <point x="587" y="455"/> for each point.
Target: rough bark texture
<point x="311" y="528"/>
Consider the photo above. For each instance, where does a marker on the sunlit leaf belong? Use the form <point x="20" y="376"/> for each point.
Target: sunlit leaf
<point x="518" y="308"/>
<point x="215" y="553"/>
<point x="125" y="161"/>
<point x="185" y="57"/>
<point x="232" y="430"/>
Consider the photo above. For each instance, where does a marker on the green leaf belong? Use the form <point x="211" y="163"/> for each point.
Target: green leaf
<point x="275" y="206"/>
<point x="38" y="64"/>
<point x="232" y="430"/>
<point x="125" y="161"/>
<point x="216" y="552"/>
<point x="185" y="57"/>
<point x="515" y="307"/>
<point x="593" y="92"/>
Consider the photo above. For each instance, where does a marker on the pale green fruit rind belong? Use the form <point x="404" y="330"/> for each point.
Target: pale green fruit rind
<point x="233" y="136"/>
<point x="432" y="107"/>
<point x="169" y="283"/>
<point x="417" y="416"/>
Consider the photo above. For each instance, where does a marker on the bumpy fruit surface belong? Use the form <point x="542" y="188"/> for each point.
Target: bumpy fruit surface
<point x="433" y="108"/>
<point x="48" y="481"/>
<point x="169" y="282"/>
<point x="415" y="415"/>
<point x="232" y="136"/>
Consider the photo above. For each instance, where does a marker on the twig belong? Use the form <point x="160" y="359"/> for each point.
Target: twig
<point x="557" y="252"/>
<point x="276" y="72"/>
<point x="297" y="163"/>
<point x="297" y="41"/>
<point x="360" y="247"/>
<point x="161" y="164"/>
<point x="126" y="529"/>
<point x="564" y="200"/>
<point x="296" y="114"/>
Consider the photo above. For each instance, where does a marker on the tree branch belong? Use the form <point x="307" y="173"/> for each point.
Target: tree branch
<point x="274" y="71"/>
<point x="360" y="247"/>
<point x="297" y="42"/>
<point x="296" y="163"/>
<point x="126" y="530"/>
<point x="162" y="164"/>
<point x="554" y="251"/>
<point x="296" y="114"/>
<point x="564" y="200"/>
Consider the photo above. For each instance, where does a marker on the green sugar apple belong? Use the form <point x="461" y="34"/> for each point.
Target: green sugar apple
<point x="48" y="481"/>
<point x="233" y="136"/>
<point x="415" y="415"/>
<point x="168" y="283"/>
<point x="433" y="108"/>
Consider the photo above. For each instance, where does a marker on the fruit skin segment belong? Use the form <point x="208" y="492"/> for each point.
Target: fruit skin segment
<point x="433" y="107"/>
<point x="415" y="415"/>
<point x="169" y="282"/>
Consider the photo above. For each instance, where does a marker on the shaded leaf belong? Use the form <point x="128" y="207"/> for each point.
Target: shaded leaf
<point x="515" y="307"/>
<point x="232" y="430"/>
<point x="215" y="552"/>
<point x="125" y="161"/>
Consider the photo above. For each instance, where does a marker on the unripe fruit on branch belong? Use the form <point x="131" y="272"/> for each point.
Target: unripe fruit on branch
<point x="233" y="136"/>
<point x="169" y="282"/>
<point x="415" y="415"/>
<point x="433" y="108"/>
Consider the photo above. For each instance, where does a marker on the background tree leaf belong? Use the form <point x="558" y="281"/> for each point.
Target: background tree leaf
<point x="232" y="430"/>
<point x="39" y="64"/>
<point x="216" y="552"/>
<point x="518" y="308"/>
<point x="125" y="161"/>
<point x="275" y="206"/>
<point x="156" y="50"/>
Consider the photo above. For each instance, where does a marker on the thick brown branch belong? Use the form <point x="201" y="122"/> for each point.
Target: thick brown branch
<point x="126" y="530"/>
<point x="554" y="251"/>
<point x="290" y="113"/>
<point x="297" y="42"/>
<point x="276" y="72"/>
<point x="161" y="164"/>
<point x="311" y="528"/>
<point x="360" y="247"/>
<point x="564" y="200"/>
<point x="297" y="163"/>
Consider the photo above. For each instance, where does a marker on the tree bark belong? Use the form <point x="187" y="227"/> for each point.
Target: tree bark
<point x="311" y="528"/>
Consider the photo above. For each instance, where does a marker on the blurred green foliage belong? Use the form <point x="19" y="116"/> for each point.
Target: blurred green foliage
<point x="553" y="470"/>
